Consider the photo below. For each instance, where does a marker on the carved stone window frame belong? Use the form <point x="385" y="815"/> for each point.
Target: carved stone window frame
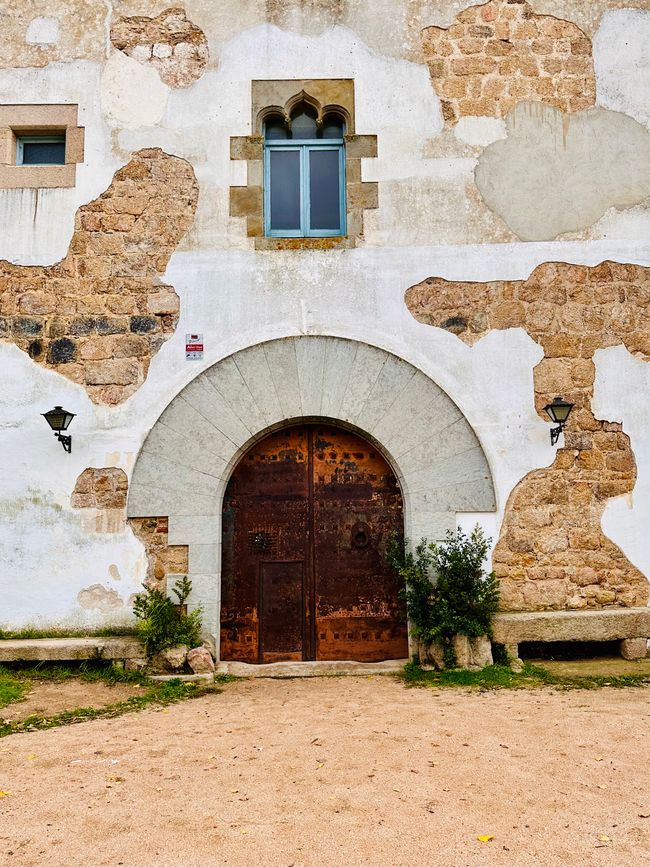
<point x="25" y="120"/>
<point x="281" y="97"/>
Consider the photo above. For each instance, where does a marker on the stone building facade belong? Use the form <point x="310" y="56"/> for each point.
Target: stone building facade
<point x="489" y="252"/>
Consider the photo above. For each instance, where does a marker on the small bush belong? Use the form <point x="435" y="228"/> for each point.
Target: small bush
<point x="446" y="589"/>
<point x="164" y="624"/>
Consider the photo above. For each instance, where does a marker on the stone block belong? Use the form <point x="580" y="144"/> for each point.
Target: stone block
<point x="200" y="660"/>
<point x="170" y="659"/>
<point x="245" y="200"/>
<point x="357" y="146"/>
<point x="591" y="625"/>
<point x="69" y="649"/>
<point x="472" y="653"/>
<point x="634" y="648"/>
<point x="246" y="147"/>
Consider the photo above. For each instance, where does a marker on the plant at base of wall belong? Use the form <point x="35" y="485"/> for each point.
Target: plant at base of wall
<point x="460" y="600"/>
<point x="165" y="624"/>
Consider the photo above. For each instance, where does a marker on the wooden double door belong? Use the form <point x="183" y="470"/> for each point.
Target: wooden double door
<point x="307" y="515"/>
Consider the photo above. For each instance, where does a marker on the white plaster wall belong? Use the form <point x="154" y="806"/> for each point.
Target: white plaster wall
<point x="36" y="225"/>
<point x="621" y="394"/>
<point x="237" y="297"/>
<point x="50" y="552"/>
<point x="622" y="62"/>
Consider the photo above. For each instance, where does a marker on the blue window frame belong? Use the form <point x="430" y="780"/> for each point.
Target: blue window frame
<point x="304" y="181"/>
<point x="40" y="150"/>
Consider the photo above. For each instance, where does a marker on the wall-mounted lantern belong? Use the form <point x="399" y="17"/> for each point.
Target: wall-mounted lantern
<point x="59" y="419"/>
<point x="559" y="412"/>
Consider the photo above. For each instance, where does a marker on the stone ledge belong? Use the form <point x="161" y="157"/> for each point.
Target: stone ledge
<point x="317" y="668"/>
<point x="69" y="649"/>
<point x="602" y="625"/>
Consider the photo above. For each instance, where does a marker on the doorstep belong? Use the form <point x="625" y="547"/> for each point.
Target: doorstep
<point x="317" y="668"/>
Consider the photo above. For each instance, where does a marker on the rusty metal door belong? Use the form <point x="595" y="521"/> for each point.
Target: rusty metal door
<point x="307" y="515"/>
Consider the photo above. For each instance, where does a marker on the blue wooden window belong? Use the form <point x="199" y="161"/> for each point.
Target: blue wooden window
<point x="304" y="179"/>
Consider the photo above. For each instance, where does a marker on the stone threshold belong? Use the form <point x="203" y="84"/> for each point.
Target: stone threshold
<point x="317" y="668"/>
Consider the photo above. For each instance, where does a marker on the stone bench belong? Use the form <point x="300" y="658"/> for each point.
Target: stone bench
<point x="629" y="626"/>
<point x="120" y="648"/>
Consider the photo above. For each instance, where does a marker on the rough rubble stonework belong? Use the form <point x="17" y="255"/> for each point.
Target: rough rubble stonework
<point x="103" y="488"/>
<point x="163" y="559"/>
<point x="98" y="316"/>
<point x="500" y="53"/>
<point x="177" y="48"/>
<point x="552" y="553"/>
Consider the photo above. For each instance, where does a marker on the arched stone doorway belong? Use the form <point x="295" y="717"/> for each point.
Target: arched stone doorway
<point x="307" y="516"/>
<point x="185" y="462"/>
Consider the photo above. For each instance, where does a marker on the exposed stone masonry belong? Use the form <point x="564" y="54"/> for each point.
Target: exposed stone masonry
<point x="498" y="54"/>
<point x="552" y="553"/>
<point x="163" y="559"/>
<point x="99" y="316"/>
<point x="177" y="48"/>
<point x="100" y="489"/>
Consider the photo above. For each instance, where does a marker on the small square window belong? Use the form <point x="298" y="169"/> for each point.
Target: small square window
<point x="40" y="150"/>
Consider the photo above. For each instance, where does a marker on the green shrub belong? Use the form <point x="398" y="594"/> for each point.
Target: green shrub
<point x="446" y="589"/>
<point x="163" y="624"/>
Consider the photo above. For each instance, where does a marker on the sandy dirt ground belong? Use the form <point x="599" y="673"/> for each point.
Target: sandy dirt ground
<point x="338" y="771"/>
<point x="49" y="697"/>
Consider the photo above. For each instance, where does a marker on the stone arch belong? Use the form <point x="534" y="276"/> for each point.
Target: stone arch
<point x="186" y="460"/>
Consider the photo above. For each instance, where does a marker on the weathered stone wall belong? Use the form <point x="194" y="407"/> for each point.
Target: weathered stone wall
<point x="499" y="53"/>
<point x="540" y="177"/>
<point x="552" y="552"/>
<point x="163" y="559"/>
<point x="100" y="315"/>
<point x="103" y="488"/>
<point x="169" y="42"/>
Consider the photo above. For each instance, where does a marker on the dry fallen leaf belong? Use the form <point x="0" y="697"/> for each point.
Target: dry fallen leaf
<point x="4" y="794"/>
<point x="604" y="838"/>
<point x="485" y="838"/>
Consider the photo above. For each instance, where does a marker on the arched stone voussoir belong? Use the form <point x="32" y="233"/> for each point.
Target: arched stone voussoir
<point x="185" y="462"/>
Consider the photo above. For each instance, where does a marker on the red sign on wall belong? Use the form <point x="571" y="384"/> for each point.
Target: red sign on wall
<point x="193" y="346"/>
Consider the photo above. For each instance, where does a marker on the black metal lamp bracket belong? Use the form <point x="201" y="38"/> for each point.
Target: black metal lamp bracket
<point x="555" y="433"/>
<point x="66" y="441"/>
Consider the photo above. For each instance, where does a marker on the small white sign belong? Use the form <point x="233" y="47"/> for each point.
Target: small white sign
<point x="193" y="346"/>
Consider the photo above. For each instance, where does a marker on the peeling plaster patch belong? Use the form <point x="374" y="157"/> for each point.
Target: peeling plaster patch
<point x="98" y="316"/>
<point x="132" y="95"/>
<point x="498" y="53"/>
<point x="622" y="62"/>
<point x="547" y="177"/>
<point x="480" y="131"/>
<point x="100" y="598"/>
<point x="43" y="31"/>
<point x="626" y="519"/>
<point x="162" y="559"/>
<point x="48" y="543"/>
<point x="81" y="35"/>
<point x="100" y="489"/>
<point x="587" y="14"/>
<point x="114" y="572"/>
<point x="169" y="43"/>
<point x="552" y="552"/>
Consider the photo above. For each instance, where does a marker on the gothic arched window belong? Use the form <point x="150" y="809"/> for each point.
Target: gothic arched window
<point x="304" y="175"/>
